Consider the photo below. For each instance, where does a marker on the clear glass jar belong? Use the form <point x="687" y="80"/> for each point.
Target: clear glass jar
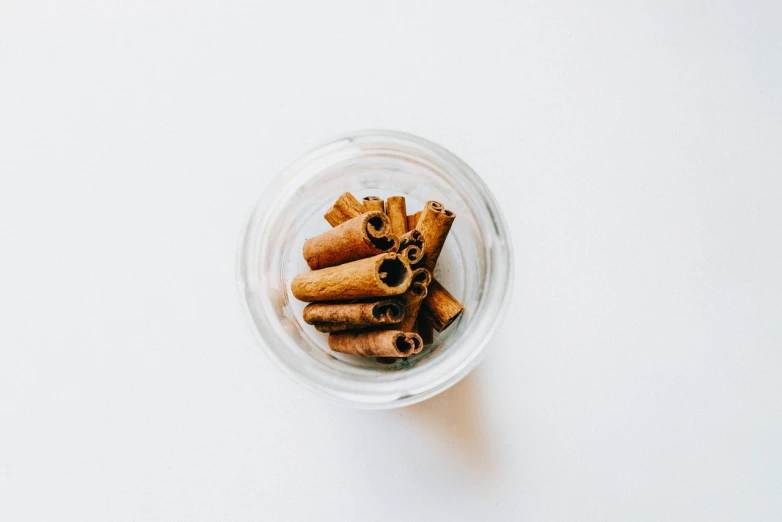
<point x="476" y="265"/>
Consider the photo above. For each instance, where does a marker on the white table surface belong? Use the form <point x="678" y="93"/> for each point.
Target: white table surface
<point x="635" y="149"/>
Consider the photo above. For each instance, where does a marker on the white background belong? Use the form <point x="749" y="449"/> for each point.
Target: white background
<point x="634" y="147"/>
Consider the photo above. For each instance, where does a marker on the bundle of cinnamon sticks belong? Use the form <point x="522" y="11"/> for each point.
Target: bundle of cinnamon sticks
<point x="371" y="285"/>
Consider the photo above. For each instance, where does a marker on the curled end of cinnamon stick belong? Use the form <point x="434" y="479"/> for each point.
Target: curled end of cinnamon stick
<point x="421" y="276"/>
<point x="379" y="231"/>
<point x="408" y="343"/>
<point x="394" y="272"/>
<point x="435" y="206"/>
<point x="389" y="311"/>
<point x="412" y="245"/>
<point x="412" y="253"/>
<point x="414" y="237"/>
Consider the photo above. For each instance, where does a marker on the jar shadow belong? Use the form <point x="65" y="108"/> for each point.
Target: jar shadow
<point x="456" y="418"/>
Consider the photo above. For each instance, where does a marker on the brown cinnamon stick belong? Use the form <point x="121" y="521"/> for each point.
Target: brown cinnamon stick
<point x="374" y="203"/>
<point x="434" y="224"/>
<point x="440" y="306"/>
<point x="365" y="235"/>
<point x="421" y="276"/>
<point x="412" y="220"/>
<point x="413" y="298"/>
<point x="423" y="327"/>
<point x="412" y="253"/>
<point x="334" y="317"/>
<point x="346" y="207"/>
<point x="396" y="209"/>
<point x="411" y="245"/>
<point x="338" y="327"/>
<point x="383" y="275"/>
<point x="377" y="343"/>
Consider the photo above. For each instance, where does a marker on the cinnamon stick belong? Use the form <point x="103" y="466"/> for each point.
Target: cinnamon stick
<point x="346" y="207"/>
<point x="383" y="275"/>
<point x="413" y="298"/>
<point x="412" y="253"/>
<point x="434" y="224"/>
<point x="412" y="220"/>
<point x="411" y="245"/>
<point x="441" y="307"/>
<point x="421" y="276"/>
<point x="424" y="328"/>
<point x="334" y="317"/>
<point x="365" y="235"/>
<point x="376" y="343"/>
<point x="339" y="327"/>
<point x="374" y="203"/>
<point x="396" y="208"/>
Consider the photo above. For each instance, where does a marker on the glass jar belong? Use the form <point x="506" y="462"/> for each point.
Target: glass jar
<point x="476" y="265"/>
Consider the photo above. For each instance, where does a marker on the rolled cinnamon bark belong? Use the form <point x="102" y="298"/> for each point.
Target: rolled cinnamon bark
<point x="423" y="327"/>
<point x="365" y="235"/>
<point x="434" y="224"/>
<point x="383" y="275"/>
<point x="413" y="298"/>
<point x="411" y="245"/>
<point x="374" y="203"/>
<point x="421" y="276"/>
<point x="346" y="207"/>
<point x="412" y="220"/>
<point x="440" y="306"/>
<point x="334" y="317"/>
<point x="412" y="253"/>
<point x="396" y="209"/>
<point x="338" y="327"/>
<point x="377" y="343"/>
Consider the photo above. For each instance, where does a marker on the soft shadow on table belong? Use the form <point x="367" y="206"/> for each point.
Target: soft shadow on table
<point x="455" y="417"/>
